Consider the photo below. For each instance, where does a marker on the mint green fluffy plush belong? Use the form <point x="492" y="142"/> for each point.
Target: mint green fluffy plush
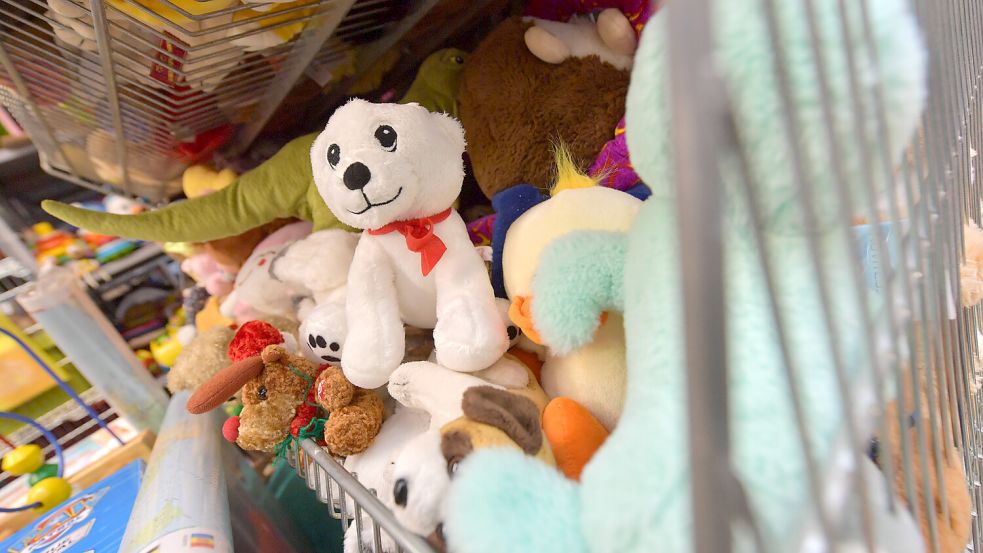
<point x="633" y="496"/>
<point x="584" y="276"/>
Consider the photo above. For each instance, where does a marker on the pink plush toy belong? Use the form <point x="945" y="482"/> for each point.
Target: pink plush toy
<point x="217" y="279"/>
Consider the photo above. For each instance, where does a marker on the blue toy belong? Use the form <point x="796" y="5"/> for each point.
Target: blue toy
<point x="634" y="494"/>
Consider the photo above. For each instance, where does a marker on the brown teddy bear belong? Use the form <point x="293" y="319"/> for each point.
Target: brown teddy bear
<point x="355" y="413"/>
<point x="514" y="107"/>
<point x="278" y="395"/>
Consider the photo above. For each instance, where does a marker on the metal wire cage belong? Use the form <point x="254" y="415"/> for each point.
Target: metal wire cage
<point x="128" y="93"/>
<point x="917" y="411"/>
<point x="357" y="508"/>
<point x="902" y="470"/>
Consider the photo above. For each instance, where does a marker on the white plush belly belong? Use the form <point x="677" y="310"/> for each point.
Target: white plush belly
<point x="594" y="375"/>
<point x="417" y="294"/>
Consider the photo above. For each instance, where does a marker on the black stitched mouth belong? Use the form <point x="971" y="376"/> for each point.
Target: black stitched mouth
<point x="330" y="358"/>
<point x="369" y="205"/>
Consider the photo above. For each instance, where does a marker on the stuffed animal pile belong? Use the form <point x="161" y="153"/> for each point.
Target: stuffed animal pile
<point x="528" y="394"/>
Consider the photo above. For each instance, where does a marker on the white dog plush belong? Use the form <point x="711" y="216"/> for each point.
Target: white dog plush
<point x="316" y="267"/>
<point x="395" y="170"/>
<point x="291" y="272"/>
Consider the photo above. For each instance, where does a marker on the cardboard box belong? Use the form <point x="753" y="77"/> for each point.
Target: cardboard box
<point x="92" y="521"/>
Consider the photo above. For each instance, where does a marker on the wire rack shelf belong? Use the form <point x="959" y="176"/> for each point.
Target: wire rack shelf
<point x="122" y="95"/>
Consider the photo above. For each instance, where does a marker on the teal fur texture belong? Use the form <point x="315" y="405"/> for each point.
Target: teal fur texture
<point x="634" y="494"/>
<point x="581" y="275"/>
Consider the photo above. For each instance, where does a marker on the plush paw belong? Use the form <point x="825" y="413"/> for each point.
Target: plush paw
<point x="332" y="390"/>
<point x="368" y="358"/>
<point x="469" y="335"/>
<point x="616" y="31"/>
<point x="350" y="430"/>
<point x="545" y="46"/>
<point x="400" y="383"/>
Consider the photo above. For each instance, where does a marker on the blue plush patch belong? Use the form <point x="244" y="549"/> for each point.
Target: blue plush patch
<point x="509" y="205"/>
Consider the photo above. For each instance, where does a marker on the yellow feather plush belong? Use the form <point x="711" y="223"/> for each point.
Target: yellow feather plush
<point x="568" y="176"/>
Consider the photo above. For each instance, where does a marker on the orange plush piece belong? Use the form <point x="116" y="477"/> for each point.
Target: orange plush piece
<point x="574" y="435"/>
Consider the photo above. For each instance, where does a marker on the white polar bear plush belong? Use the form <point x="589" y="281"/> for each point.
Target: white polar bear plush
<point x="394" y="170"/>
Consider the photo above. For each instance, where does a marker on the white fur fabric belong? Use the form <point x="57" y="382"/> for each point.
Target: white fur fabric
<point x="375" y="164"/>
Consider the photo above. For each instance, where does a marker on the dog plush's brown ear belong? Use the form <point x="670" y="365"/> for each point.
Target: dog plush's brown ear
<point x="513" y="414"/>
<point x="219" y="388"/>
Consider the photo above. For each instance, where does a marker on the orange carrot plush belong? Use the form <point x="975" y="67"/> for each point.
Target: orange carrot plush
<point x="574" y="435"/>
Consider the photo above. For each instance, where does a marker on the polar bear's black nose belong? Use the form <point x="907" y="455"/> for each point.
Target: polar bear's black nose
<point x="357" y="176"/>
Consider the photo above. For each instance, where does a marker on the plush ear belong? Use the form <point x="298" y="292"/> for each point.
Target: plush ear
<point x="224" y="384"/>
<point x="513" y="414"/>
<point x="452" y="129"/>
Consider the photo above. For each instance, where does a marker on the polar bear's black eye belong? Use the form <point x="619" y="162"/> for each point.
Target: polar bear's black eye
<point x="334" y="155"/>
<point x="386" y="137"/>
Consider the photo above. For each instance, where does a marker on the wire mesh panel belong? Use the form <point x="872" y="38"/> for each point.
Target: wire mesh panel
<point x="130" y="92"/>
<point x="848" y="155"/>
<point x="358" y="508"/>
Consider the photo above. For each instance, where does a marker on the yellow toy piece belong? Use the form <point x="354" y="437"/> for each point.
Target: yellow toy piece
<point x="199" y="180"/>
<point x="283" y="30"/>
<point x="165" y="12"/>
<point x="210" y="316"/>
<point x="165" y="352"/>
<point x="24" y="459"/>
<point x="49" y="492"/>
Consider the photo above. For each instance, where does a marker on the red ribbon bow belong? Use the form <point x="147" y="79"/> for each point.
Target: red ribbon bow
<point x="420" y="238"/>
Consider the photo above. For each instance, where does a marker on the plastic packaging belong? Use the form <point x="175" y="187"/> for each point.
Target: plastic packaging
<point x="84" y="334"/>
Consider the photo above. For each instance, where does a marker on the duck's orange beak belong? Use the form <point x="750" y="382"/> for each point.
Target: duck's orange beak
<point x="521" y="314"/>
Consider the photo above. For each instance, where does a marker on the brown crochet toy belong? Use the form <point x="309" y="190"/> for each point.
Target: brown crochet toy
<point x="356" y="413"/>
<point x="514" y="107"/>
<point x="278" y="397"/>
<point x="952" y="520"/>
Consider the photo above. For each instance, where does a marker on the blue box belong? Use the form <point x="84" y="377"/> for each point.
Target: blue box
<point x="92" y="521"/>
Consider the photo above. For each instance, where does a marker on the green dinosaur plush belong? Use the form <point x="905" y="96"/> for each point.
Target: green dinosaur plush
<point x="436" y="83"/>
<point x="283" y="186"/>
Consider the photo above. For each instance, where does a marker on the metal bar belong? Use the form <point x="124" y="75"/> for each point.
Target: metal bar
<point x="37" y="125"/>
<point x="106" y="57"/>
<point x="369" y="503"/>
<point x="304" y="49"/>
<point x="697" y="120"/>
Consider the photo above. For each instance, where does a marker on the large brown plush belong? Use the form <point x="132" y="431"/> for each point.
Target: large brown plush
<point x="515" y="107"/>
<point x="952" y="520"/>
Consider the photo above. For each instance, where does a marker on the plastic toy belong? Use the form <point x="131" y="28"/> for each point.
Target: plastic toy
<point x="48" y="487"/>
